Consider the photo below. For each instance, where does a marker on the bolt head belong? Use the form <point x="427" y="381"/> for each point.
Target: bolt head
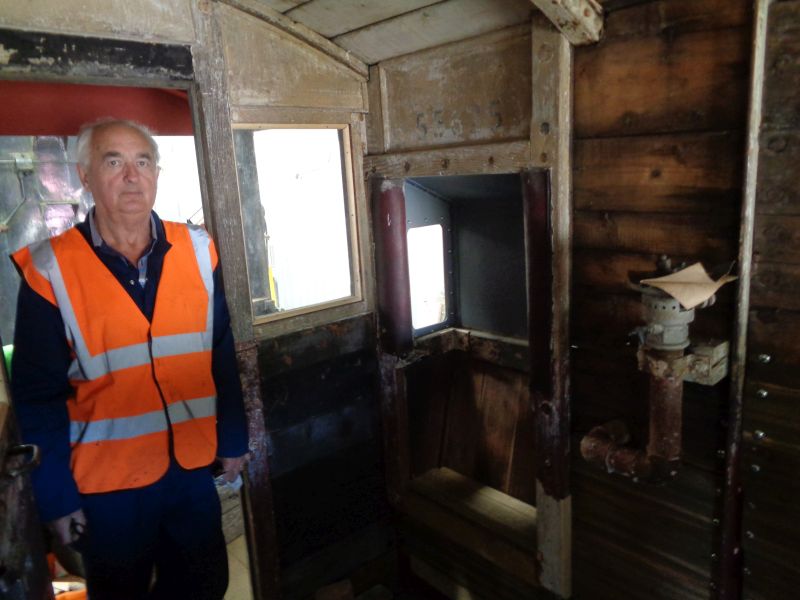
<point x="762" y="393"/>
<point x="755" y="468"/>
<point x="764" y="359"/>
<point x="759" y="435"/>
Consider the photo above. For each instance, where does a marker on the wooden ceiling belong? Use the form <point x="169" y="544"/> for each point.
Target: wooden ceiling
<point x="374" y="30"/>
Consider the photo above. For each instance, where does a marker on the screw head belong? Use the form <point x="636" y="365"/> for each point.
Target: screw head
<point x="762" y="393"/>
<point x="715" y="521"/>
<point x="755" y="468"/>
<point x="750" y="535"/>
<point x="764" y="358"/>
<point x="721" y="453"/>
<point x="759" y="435"/>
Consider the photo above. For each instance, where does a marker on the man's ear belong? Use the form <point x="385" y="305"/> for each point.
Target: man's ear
<point x="83" y="175"/>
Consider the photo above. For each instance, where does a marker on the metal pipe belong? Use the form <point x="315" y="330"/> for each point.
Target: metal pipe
<point x="391" y="249"/>
<point x="605" y="445"/>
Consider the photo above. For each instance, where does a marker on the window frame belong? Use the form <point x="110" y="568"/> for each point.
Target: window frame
<point x="353" y="135"/>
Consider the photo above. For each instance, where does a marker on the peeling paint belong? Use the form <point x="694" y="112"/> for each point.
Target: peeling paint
<point x="5" y="55"/>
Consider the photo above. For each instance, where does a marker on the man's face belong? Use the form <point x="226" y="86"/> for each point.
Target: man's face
<point x="122" y="174"/>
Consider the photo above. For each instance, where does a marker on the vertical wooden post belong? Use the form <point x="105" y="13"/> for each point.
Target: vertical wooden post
<point x="257" y="505"/>
<point x="730" y="553"/>
<point x="548" y="222"/>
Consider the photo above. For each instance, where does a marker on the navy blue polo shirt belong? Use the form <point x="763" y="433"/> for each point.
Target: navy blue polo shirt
<point x="40" y="385"/>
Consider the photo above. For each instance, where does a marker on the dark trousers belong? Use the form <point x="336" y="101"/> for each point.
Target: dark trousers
<point x="173" y="526"/>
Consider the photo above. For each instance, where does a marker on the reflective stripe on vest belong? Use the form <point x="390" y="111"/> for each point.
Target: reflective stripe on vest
<point x="137" y="384"/>
<point x="88" y="367"/>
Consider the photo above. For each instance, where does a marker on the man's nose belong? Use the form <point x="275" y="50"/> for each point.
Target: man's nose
<point x="130" y="172"/>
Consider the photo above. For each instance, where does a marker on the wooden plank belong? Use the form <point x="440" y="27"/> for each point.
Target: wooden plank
<point x="774" y="410"/>
<point x="499" y="407"/>
<point x="428" y="384"/>
<point x="507" y="157"/>
<point x="148" y="20"/>
<point x="775" y="285"/>
<point x="509" y="518"/>
<point x="608" y="270"/>
<point x="670" y="17"/>
<point x="297" y="74"/>
<point x="375" y="139"/>
<point x="461" y="428"/>
<point x="257" y="499"/>
<point x="282" y="5"/>
<point x="773" y="332"/>
<point x="706" y="237"/>
<point x="473" y="91"/>
<point x="778" y="187"/>
<point x="781" y="105"/>
<point x="685" y="173"/>
<point x="484" y="541"/>
<point x="330" y="18"/>
<point x="302" y="33"/>
<point x="520" y="483"/>
<point x="580" y="21"/>
<point x="777" y="238"/>
<point x="218" y="166"/>
<point x="694" y="81"/>
<point x="394" y="411"/>
<point x="433" y="26"/>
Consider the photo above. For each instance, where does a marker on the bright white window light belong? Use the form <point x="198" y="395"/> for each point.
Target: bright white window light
<point x="426" y="275"/>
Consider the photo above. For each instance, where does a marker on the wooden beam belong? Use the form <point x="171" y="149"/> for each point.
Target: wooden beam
<point x="581" y="21"/>
<point x="550" y="217"/>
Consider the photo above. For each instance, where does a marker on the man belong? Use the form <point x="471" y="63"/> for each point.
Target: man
<point x="124" y="375"/>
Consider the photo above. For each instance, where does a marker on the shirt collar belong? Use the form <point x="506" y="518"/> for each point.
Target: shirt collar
<point x="97" y="240"/>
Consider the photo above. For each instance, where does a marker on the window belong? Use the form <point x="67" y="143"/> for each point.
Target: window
<point x="426" y="274"/>
<point x="298" y="215"/>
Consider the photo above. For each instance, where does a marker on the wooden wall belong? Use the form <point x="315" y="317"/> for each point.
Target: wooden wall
<point x="771" y="448"/>
<point x="660" y="118"/>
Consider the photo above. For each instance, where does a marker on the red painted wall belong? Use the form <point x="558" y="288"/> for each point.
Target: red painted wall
<point x="36" y="108"/>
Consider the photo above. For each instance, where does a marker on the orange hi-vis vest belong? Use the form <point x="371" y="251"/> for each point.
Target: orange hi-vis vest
<point x="134" y="381"/>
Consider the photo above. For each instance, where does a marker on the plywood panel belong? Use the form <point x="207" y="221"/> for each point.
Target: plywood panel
<point x="281" y="5"/>
<point x="269" y="67"/>
<point x="144" y="20"/>
<point x="475" y="91"/>
<point x="334" y="17"/>
<point x="693" y="81"/>
<point x="439" y="24"/>
<point x="689" y="173"/>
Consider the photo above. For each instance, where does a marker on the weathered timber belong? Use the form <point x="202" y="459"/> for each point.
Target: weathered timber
<point x="152" y="20"/>
<point x="704" y="236"/>
<point x="681" y="173"/>
<point x="298" y="75"/>
<point x="580" y="21"/>
<point x="376" y="143"/>
<point x="471" y="92"/>
<point x="335" y="17"/>
<point x="548" y="241"/>
<point x="773" y="332"/>
<point x="509" y="518"/>
<point x="782" y="71"/>
<point x="257" y="501"/>
<point x="301" y="32"/>
<point x="778" y="187"/>
<point x="507" y="157"/>
<point x="217" y="164"/>
<point x="446" y="520"/>
<point x="394" y="410"/>
<point x="501" y="351"/>
<point x="50" y="56"/>
<point x="671" y="17"/>
<point x="777" y="238"/>
<point x="432" y="26"/>
<point x="318" y="344"/>
<point x="692" y="81"/>
<point x="775" y="285"/>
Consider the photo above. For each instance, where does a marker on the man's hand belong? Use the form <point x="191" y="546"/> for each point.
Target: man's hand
<point x="69" y="528"/>
<point x="231" y="467"/>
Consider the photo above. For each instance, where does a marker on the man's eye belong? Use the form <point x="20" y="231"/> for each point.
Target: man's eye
<point x="143" y="164"/>
<point x="113" y="162"/>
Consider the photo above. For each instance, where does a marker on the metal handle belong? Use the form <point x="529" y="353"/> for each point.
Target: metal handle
<point x="28" y="465"/>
